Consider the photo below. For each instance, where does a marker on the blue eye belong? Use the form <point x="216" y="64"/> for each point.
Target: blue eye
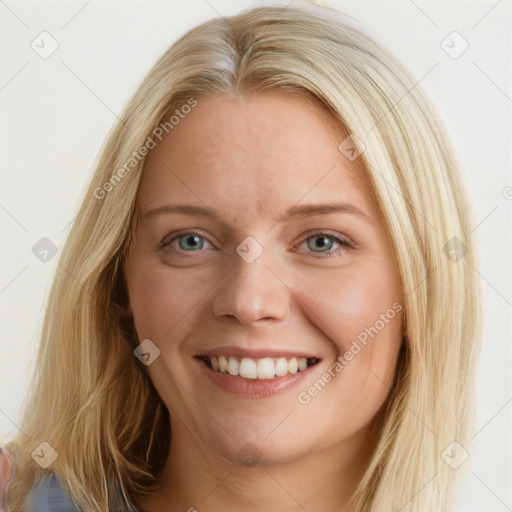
<point x="186" y="242"/>
<point x="322" y="244"/>
<point x="190" y="241"/>
<point x="326" y="241"/>
<point x="193" y="241"/>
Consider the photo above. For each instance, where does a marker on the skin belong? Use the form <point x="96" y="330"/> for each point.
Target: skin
<point x="252" y="158"/>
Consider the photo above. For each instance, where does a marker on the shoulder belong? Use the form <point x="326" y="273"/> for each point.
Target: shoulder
<point x="49" y="496"/>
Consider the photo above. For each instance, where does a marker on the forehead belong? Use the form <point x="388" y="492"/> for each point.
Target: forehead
<point x="254" y="154"/>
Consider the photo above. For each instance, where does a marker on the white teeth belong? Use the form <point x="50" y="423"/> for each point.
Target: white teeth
<point x="233" y="366"/>
<point x="265" y="368"/>
<point x="247" y="369"/>
<point x="223" y="364"/>
<point x="282" y="366"/>
<point x="293" y="366"/>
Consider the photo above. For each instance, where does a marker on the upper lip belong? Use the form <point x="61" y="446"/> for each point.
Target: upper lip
<point x="237" y="351"/>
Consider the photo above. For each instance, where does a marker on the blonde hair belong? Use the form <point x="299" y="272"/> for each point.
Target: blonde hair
<point x="90" y="397"/>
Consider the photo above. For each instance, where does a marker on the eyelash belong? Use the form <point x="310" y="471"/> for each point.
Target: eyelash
<point x="344" y="243"/>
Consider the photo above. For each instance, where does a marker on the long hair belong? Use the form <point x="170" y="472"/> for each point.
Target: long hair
<point x="90" y="398"/>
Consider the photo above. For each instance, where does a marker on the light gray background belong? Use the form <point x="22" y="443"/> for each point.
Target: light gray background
<point x="55" y="113"/>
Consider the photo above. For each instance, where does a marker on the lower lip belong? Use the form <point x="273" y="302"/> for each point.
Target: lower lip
<point x="254" y="388"/>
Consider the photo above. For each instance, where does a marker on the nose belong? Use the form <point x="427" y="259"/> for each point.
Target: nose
<point x="251" y="292"/>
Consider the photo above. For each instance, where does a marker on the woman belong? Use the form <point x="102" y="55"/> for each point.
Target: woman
<point x="312" y="347"/>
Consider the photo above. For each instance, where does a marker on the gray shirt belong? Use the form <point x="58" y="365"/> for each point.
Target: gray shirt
<point x="49" y="496"/>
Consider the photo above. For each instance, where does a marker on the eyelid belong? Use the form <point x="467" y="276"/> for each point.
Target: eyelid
<point x="168" y="239"/>
<point x="343" y="240"/>
<point x="327" y="233"/>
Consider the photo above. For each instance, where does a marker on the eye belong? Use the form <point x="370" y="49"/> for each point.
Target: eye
<point x="322" y="243"/>
<point x="188" y="242"/>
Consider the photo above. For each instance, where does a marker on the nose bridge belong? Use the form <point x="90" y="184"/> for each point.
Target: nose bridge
<point x="250" y="290"/>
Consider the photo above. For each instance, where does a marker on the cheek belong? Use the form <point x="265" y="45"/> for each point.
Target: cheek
<point x="348" y="301"/>
<point x="355" y="312"/>
<point x="161" y="299"/>
<point x="360" y="312"/>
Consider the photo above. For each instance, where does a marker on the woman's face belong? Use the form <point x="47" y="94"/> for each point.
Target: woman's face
<point x="259" y="242"/>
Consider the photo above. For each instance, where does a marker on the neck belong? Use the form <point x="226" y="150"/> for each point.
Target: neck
<point x="197" y="479"/>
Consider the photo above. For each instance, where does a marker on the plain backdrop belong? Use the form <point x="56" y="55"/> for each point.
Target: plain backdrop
<point x="57" y="109"/>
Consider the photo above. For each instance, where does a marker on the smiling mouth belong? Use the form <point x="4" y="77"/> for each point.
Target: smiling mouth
<point x="258" y="369"/>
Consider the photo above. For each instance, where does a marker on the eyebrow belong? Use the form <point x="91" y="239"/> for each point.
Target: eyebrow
<point x="300" y="211"/>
